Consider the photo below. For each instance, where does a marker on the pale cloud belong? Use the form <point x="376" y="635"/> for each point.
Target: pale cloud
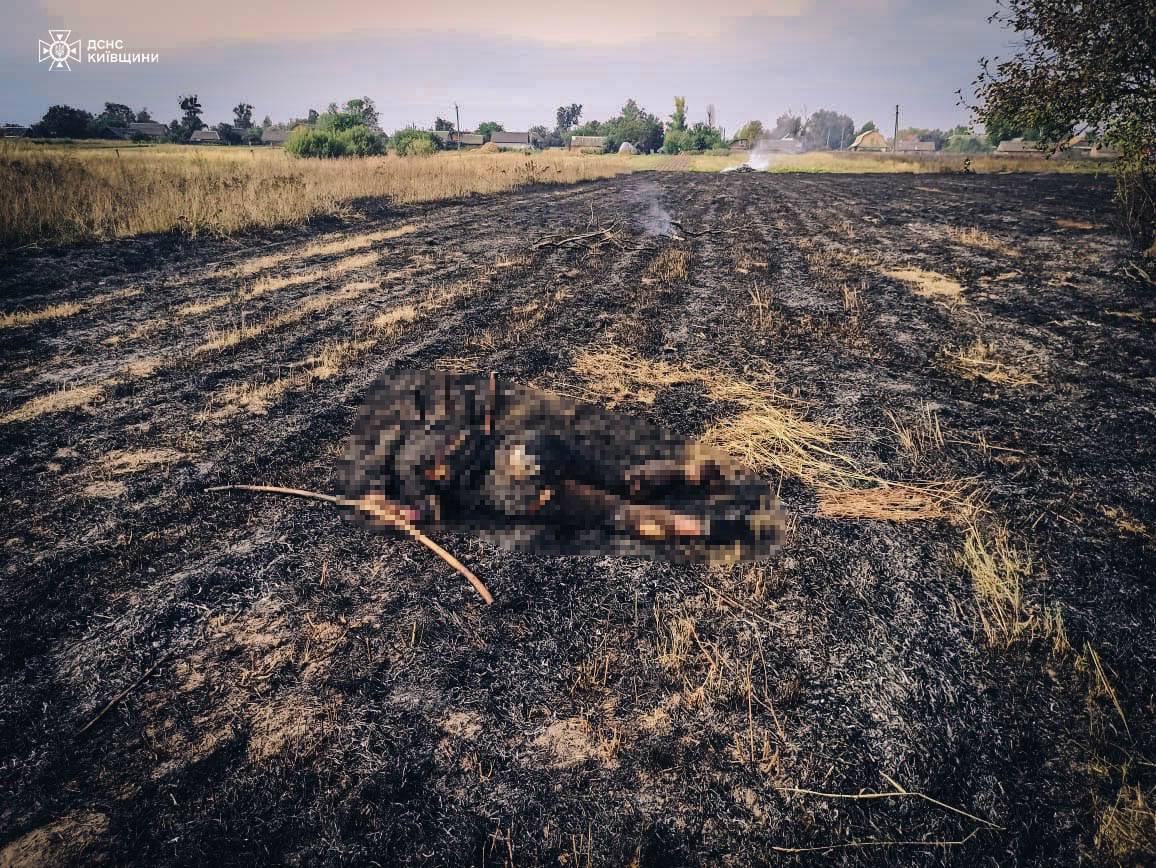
<point x="153" y="25"/>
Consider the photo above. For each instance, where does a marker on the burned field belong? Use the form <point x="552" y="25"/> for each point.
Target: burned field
<point x="950" y="379"/>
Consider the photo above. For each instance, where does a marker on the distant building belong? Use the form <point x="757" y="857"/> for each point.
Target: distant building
<point x="914" y="146"/>
<point x="148" y="129"/>
<point x="872" y="140"/>
<point x="452" y="138"/>
<point x="274" y="135"/>
<point x="1018" y="148"/>
<point x="12" y="131"/>
<point x="204" y="137"/>
<point x="511" y="141"/>
<point x="740" y="145"/>
<point x="584" y="143"/>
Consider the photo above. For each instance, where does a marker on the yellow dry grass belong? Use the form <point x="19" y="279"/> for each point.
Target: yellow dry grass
<point x="65" y="309"/>
<point x="889" y="503"/>
<point x="1126" y="829"/>
<point x="769" y="432"/>
<point x="975" y="237"/>
<point x="978" y="361"/>
<point x="928" y="284"/>
<point x="345" y="244"/>
<point x="314" y="304"/>
<point x="997" y="569"/>
<point x="55" y="402"/>
<point x="672" y="265"/>
<point x="57" y="193"/>
<point x="267" y="285"/>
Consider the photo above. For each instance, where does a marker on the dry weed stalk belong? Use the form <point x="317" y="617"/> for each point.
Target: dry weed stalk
<point x="1126" y="829"/>
<point x="978" y="362"/>
<point x="997" y="569"/>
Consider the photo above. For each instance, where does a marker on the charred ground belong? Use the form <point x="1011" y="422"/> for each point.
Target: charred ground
<point x="319" y="694"/>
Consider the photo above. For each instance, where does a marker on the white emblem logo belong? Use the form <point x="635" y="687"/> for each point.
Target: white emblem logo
<point x="60" y="51"/>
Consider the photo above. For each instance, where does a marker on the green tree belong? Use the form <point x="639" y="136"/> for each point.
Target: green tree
<point x="488" y="128"/>
<point x="787" y="125"/>
<point x="364" y="109"/>
<point x="190" y="116"/>
<point x="243" y="116"/>
<point x="117" y="114"/>
<point x="442" y="124"/>
<point x="828" y="129"/>
<point x="678" y="116"/>
<point x="568" y="116"/>
<point x="143" y="116"/>
<point x="868" y="127"/>
<point x="412" y="142"/>
<point x="1082" y="67"/>
<point x="751" y="131"/>
<point x="62" y="122"/>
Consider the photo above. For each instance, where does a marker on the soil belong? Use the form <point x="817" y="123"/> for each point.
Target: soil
<point x="293" y="688"/>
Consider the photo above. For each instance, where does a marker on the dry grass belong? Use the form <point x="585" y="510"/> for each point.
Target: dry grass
<point x="919" y="436"/>
<point x="1126" y="523"/>
<point x="267" y="285"/>
<point x="997" y="569"/>
<point x="891" y="502"/>
<point x="55" y="402"/>
<point x="1126" y="829"/>
<point x="57" y="193"/>
<point x="314" y="304"/>
<point x="59" y="311"/>
<point x="928" y="284"/>
<point x="768" y="432"/>
<point x="974" y="237"/>
<point x="345" y="244"/>
<point x="1065" y="223"/>
<point x="979" y="362"/>
<point x="852" y="306"/>
<point x="762" y="302"/>
<point x="671" y="266"/>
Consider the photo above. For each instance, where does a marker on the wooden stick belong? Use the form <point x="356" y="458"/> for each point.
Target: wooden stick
<point x="854" y="844"/>
<point x="380" y="508"/>
<point x="900" y="793"/>
<point x="124" y="693"/>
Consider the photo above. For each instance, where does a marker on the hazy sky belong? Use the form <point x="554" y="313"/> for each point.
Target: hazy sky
<point x="513" y="61"/>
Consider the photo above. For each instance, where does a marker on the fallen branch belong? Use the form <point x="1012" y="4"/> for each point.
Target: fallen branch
<point x="112" y="702"/>
<point x="378" y="507"/>
<point x="856" y="844"/>
<point x="699" y="234"/>
<point x="606" y="234"/>
<point x="899" y="793"/>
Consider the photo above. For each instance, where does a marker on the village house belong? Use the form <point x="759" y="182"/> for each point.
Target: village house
<point x="12" y="131"/>
<point x="588" y="143"/>
<point x="872" y="140"/>
<point x="511" y="141"/>
<point x="274" y="135"/>
<point x="914" y="146"/>
<point x="148" y="129"/>
<point x="1018" y="147"/>
<point x="452" y="139"/>
<point x="205" y="137"/>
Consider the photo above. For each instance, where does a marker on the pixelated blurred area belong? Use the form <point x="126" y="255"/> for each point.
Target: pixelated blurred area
<point x="538" y="472"/>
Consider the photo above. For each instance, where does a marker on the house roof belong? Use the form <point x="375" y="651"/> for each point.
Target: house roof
<point x="914" y="145"/>
<point x="1017" y="146"/>
<point x="12" y="130"/>
<point x="205" y="136"/>
<point x="869" y="139"/>
<point x="510" y="138"/>
<point x="588" y="141"/>
<point x="275" y="136"/>
<point x="149" y="128"/>
<point x="451" y="137"/>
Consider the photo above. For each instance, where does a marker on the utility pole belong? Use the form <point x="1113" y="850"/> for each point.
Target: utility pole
<point x="895" y="141"/>
<point x="458" y="125"/>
